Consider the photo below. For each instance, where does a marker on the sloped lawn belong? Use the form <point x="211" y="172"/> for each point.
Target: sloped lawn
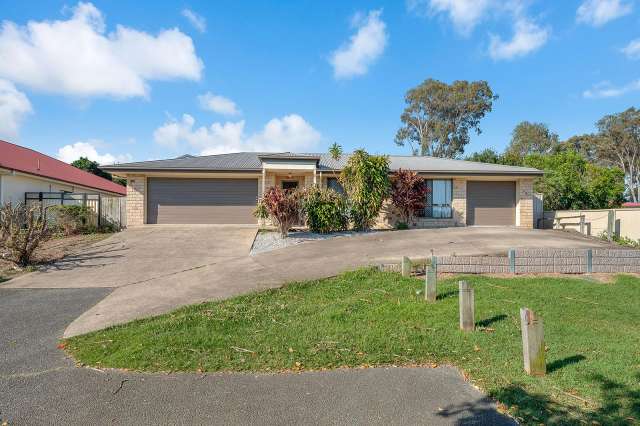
<point x="368" y="318"/>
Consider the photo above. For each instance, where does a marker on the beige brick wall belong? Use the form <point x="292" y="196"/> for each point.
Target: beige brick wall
<point x="136" y="211"/>
<point x="525" y="203"/>
<point x="459" y="202"/>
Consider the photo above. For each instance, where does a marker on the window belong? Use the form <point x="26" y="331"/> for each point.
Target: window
<point x="439" y="195"/>
<point x="334" y="183"/>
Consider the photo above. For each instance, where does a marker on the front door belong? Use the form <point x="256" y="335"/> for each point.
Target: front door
<point x="289" y="185"/>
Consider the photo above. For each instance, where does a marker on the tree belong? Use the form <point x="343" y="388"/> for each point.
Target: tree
<point x="335" y="152"/>
<point x="438" y="117"/>
<point x="83" y="163"/>
<point x="530" y="138"/>
<point x="618" y="143"/>
<point x="365" y="179"/>
<point x="408" y="192"/>
<point x="605" y="186"/>
<point x="570" y="182"/>
<point x="488" y="155"/>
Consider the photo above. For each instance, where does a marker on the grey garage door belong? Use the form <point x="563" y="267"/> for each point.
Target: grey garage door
<point x="230" y="201"/>
<point x="491" y="203"/>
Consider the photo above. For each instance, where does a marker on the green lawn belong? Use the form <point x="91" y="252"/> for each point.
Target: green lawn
<point x="370" y="318"/>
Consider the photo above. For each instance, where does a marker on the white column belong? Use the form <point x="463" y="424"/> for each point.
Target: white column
<point x="264" y="180"/>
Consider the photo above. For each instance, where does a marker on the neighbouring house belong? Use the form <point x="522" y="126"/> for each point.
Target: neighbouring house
<point x="224" y="188"/>
<point x="24" y="170"/>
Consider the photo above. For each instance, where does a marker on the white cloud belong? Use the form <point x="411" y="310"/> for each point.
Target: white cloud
<point x="289" y="133"/>
<point x="77" y="57"/>
<point x="70" y="153"/>
<point x="605" y="89"/>
<point x="14" y="106"/>
<point x="527" y="37"/>
<point x="464" y="14"/>
<point x="599" y="12"/>
<point x="363" y="48"/>
<point x="219" y="104"/>
<point x="198" y="21"/>
<point x="632" y="50"/>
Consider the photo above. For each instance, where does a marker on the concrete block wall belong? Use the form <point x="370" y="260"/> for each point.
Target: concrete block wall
<point x="136" y="209"/>
<point x="564" y="261"/>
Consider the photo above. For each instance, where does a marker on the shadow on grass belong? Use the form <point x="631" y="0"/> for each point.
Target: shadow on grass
<point x="560" y="363"/>
<point x="487" y="322"/>
<point x="447" y="294"/>
<point x="620" y="406"/>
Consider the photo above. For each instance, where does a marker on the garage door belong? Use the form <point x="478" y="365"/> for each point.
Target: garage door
<point x="229" y="201"/>
<point x="491" y="203"/>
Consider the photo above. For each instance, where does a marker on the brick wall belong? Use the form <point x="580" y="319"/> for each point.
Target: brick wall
<point x="525" y="203"/>
<point x="136" y="186"/>
<point x="459" y="201"/>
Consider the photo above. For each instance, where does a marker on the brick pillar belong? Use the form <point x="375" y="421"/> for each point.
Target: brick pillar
<point x="459" y="201"/>
<point x="136" y="187"/>
<point x="525" y="203"/>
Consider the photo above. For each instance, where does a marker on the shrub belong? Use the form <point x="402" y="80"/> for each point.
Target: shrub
<point x="283" y="208"/>
<point x="72" y="219"/>
<point x="325" y="210"/>
<point x="365" y="179"/>
<point x="408" y="191"/>
<point x="401" y="226"/>
<point x="22" y="229"/>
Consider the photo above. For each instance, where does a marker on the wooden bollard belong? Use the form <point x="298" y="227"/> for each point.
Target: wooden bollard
<point x="406" y="266"/>
<point x="467" y="306"/>
<point x="532" y="343"/>
<point x="430" y="282"/>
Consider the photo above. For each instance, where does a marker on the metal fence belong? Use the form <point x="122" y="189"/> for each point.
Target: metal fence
<point x="107" y="211"/>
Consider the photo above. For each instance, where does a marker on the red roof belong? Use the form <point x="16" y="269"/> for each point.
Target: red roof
<point x="26" y="160"/>
<point x="631" y="205"/>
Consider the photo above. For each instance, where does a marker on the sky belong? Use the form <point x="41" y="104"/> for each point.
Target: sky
<point x="120" y="81"/>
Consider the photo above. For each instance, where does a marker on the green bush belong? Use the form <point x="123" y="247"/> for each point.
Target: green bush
<point x="365" y="179"/>
<point x="72" y="219"/>
<point x="325" y="210"/>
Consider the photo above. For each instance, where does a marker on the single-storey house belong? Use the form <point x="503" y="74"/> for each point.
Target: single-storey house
<point x="24" y="170"/>
<point x="224" y="188"/>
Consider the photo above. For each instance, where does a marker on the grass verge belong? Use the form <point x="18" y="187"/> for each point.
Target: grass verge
<point x="368" y="318"/>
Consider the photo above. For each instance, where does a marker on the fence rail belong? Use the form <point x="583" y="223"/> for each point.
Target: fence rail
<point x="107" y="210"/>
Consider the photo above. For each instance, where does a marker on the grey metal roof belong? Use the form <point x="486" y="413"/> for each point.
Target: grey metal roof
<point x="250" y="162"/>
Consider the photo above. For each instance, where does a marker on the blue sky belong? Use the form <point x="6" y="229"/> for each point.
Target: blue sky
<point x="140" y="80"/>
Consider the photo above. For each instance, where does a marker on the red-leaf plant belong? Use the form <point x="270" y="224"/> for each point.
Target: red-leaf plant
<point x="408" y="193"/>
<point x="283" y="207"/>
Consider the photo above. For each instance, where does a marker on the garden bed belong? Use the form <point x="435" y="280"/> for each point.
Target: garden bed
<point x="50" y="251"/>
<point x="271" y="240"/>
<point x="368" y="318"/>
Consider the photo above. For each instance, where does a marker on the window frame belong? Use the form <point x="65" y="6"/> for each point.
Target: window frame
<point x="428" y="207"/>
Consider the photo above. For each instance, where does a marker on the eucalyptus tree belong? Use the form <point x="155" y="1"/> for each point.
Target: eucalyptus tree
<point x="438" y="117"/>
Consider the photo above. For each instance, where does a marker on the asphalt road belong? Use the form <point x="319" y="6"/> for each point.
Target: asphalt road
<point x="39" y="385"/>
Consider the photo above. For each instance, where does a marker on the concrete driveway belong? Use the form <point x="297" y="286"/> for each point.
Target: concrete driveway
<point x="40" y="386"/>
<point x="155" y="269"/>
